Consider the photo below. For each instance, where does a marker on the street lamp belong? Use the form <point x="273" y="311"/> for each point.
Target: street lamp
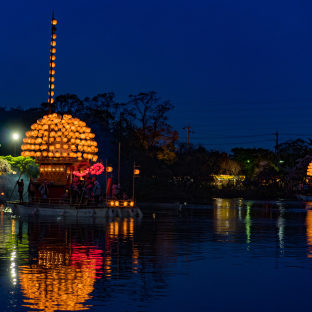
<point x="15" y="137"/>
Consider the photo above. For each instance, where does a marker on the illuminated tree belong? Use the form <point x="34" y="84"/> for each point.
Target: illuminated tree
<point x="228" y="166"/>
<point x="25" y="165"/>
<point x="5" y="167"/>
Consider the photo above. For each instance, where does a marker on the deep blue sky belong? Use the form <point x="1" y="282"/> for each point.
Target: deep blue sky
<point x="232" y="69"/>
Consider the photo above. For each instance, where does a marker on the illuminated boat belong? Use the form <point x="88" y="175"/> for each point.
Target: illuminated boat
<point x="66" y="151"/>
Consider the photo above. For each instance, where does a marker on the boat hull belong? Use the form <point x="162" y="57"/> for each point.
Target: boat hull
<point x="67" y="211"/>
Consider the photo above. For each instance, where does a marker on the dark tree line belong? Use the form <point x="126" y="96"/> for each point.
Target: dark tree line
<point x="169" y="169"/>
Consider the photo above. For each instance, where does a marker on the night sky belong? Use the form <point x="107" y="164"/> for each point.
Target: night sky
<point x="235" y="70"/>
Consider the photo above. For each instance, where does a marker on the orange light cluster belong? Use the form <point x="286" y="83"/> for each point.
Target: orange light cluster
<point x="48" y="168"/>
<point x="121" y="203"/>
<point x="52" y="61"/>
<point x="136" y="171"/>
<point x="56" y="136"/>
<point x="309" y="171"/>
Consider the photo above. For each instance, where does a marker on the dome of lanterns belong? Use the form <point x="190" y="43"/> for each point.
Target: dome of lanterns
<point x="60" y="137"/>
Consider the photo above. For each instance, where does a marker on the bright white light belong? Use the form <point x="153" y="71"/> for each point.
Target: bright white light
<point x="15" y="136"/>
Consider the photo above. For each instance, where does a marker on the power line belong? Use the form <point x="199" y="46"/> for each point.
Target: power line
<point x="236" y="136"/>
<point x="237" y="143"/>
<point x="249" y="136"/>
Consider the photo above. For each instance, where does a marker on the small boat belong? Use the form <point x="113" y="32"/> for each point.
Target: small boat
<point x="56" y="208"/>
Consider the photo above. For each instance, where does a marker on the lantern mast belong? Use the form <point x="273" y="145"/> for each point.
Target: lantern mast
<point x="52" y="62"/>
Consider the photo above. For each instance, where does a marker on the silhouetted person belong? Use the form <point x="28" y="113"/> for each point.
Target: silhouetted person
<point x="96" y="191"/>
<point x="115" y="191"/>
<point x="31" y="190"/>
<point x="43" y="189"/>
<point x="20" y="189"/>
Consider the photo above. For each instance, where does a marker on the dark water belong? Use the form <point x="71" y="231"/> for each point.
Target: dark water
<point x="233" y="256"/>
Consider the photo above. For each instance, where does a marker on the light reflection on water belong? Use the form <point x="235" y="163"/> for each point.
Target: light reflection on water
<point x="131" y="265"/>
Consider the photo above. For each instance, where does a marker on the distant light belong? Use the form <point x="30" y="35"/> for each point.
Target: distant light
<point x="281" y="161"/>
<point x="15" y="136"/>
<point x="109" y="169"/>
<point x="136" y="171"/>
<point x="248" y="161"/>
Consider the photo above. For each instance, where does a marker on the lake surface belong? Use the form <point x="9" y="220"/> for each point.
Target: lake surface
<point x="232" y="256"/>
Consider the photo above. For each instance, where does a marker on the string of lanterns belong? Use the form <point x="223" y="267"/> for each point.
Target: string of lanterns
<point x="309" y="171"/>
<point x="52" y="61"/>
<point x="96" y="169"/>
<point x="56" y="136"/>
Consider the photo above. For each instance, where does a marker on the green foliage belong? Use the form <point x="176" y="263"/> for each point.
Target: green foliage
<point x="25" y="165"/>
<point x="251" y="159"/>
<point x="5" y="167"/>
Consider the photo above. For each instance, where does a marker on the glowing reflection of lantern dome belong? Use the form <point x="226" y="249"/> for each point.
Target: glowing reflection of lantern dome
<point x="60" y="281"/>
<point x="309" y="231"/>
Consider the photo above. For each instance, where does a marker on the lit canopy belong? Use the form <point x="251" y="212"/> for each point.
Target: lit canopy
<point x="59" y="137"/>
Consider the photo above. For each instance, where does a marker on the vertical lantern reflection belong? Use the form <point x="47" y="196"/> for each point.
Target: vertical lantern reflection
<point x="248" y="223"/>
<point x="13" y="271"/>
<point x="135" y="260"/>
<point x="281" y="228"/>
<point x="13" y="227"/>
<point x="225" y="216"/>
<point x="309" y="232"/>
<point x="123" y="228"/>
<point x="119" y="232"/>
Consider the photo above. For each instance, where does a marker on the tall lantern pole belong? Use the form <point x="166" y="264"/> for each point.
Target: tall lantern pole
<point x="52" y="62"/>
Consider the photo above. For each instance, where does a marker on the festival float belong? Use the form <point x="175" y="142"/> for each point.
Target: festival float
<point x="304" y="189"/>
<point x="65" y="149"/>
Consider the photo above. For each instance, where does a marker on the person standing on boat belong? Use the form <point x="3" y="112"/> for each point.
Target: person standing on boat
<point x="20" y="189"/>
<point x="88" y="189"/>
<point x="75" y="190"/>
<point x="43" y="189"/>
<point x="31" y="190"/>
<point x="115" y="191"/>
<point x="96" y="191"/>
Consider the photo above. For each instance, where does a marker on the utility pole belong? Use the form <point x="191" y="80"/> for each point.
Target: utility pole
<point x="188" y="131"/>
<point x="118" y="164"/>
<point x="276" y="142"/>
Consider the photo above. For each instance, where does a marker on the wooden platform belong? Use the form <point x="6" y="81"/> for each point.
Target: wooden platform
<point x="57" y="210"/>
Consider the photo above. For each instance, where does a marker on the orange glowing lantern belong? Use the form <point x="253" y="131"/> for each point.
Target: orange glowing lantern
<point x="309" y="170"/>
<point x="136" y="171"/>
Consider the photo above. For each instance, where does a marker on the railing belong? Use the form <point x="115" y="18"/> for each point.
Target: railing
<point x="114" y="203"/>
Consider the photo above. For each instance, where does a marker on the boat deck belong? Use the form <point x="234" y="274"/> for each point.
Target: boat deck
<point x="59" y="208"/>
